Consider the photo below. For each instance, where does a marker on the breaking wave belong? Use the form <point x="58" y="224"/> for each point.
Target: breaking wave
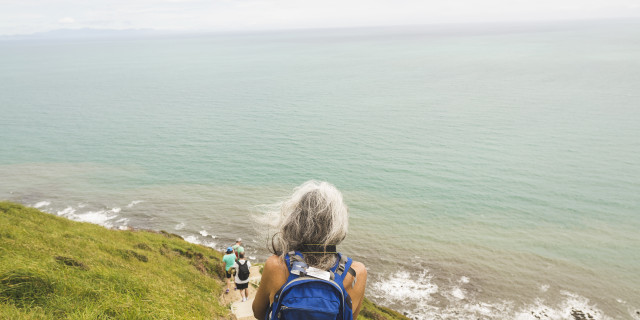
<point x="418" y="297"/>
<point x="196" y="240"/>
<point x="41" y="204"/>
<point x="133" y="203"/>
<point x="80" y="212"/>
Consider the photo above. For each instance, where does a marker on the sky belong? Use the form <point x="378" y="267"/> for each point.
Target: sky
<point x="30" y="16"/>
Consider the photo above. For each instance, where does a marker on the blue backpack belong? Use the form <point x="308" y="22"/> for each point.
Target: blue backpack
<point x="306" y="296"/>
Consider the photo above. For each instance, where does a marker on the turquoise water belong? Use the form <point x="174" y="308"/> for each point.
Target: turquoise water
<point x="489" y="173"/>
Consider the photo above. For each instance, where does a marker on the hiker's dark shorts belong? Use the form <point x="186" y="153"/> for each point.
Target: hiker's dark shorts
<point x="231" y="272"/>
<point x="241" y="286"/>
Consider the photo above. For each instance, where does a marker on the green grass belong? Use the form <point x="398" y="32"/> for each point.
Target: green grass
<point x="54" y="268"/>
<point x="371" y="311"/>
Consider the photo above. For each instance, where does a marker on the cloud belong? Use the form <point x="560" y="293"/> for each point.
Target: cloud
<point x="67" y="20"/>
<point x="19" y="16"/>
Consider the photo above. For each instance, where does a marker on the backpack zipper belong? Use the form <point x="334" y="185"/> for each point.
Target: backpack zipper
<point x="283" y="307"/>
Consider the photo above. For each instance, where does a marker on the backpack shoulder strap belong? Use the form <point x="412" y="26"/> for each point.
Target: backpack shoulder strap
<point x="290" y="258"/>
<point x="344" y="264"/>
<point x="338" y="271"/>
<point x="293" y="255"/>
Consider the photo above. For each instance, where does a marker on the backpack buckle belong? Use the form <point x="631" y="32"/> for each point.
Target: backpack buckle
<point x="299" y="268"/>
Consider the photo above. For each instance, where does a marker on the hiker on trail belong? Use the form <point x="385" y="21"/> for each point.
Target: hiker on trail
<point x="308" y="226"/>
<point x="238" y="248"/>
<point x="242" y="276"/>
<point x="229" y="259"/>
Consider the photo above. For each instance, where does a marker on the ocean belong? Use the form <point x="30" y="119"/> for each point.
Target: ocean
<point x="491" y="171"/>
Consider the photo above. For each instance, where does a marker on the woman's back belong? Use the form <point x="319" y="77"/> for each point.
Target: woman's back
<point x="313" y="220"/>
<point x="275" y="275"/>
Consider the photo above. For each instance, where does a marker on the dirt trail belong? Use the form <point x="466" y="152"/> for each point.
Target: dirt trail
<point x="242" y="310"/>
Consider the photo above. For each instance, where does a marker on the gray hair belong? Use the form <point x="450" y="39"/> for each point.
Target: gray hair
<point x="314" y="214"/>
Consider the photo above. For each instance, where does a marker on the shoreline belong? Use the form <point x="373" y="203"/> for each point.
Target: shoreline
<point x="460" y="300"/>
<point x="55" y="262"/>
<point x="391" y="289"/>
<point x="442" y="263"/>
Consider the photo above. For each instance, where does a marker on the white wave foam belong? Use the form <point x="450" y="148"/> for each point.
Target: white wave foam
<point x="133" y="203"/>
<point x="180" y="226"/>
<point x="572" y="307"/>
<point x="416" y="296"/>
<point x="42" y="204"/>
<point x="458" y="293"/>
<point x="101" y="217"/>
<point x="195" y="240"/>
<point x="124" y="223"/>
<point x="544" y="288"/>
<point x="210" y="244"/>
<point x="402" y="287"/>
<point x="192" y="239"/>
<point x="66" y="211"/>
<point x="484" y="309"/>
<point x="538" y="311"/>
<point x="463" y="311"/>
<point x="204" y="233"/>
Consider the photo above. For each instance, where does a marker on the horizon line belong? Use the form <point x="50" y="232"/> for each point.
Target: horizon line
<point x="160" y="31"/>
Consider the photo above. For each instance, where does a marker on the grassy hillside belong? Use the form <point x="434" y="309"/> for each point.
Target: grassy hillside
<point x="371" y="311"/>
<point x="54" y="268"/>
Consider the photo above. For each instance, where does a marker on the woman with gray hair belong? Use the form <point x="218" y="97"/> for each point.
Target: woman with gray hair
<point x="310" y="223"/>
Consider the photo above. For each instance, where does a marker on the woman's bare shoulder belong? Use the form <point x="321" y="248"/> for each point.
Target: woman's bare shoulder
<point x="356" y="286"/>
<point x="274" y="274"/>
<point x="359" y="268"/>
<point x="274" y="262"/>
<point x="275" y="266"/>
